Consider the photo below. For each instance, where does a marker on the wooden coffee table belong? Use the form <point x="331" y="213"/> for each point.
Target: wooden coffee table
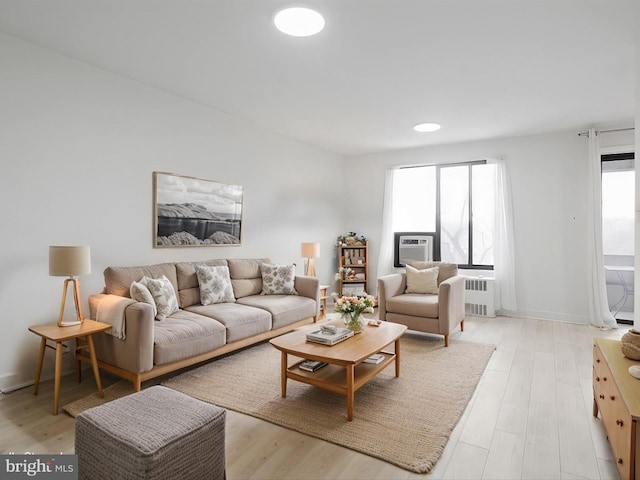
<point x="345" y="372"/>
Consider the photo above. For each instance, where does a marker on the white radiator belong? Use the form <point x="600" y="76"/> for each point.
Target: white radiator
<point x="479" y="297"/>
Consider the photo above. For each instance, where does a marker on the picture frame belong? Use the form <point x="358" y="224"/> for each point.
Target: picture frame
<point x="194" y="212"/>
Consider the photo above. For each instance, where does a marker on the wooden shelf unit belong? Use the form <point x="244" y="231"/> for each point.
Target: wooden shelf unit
<point x="355" y="258"/>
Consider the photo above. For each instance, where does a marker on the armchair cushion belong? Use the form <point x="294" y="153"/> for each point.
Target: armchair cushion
<point x="422" y="281"/>
<point x="445" y="270"/>
<point x="417" y="305"/>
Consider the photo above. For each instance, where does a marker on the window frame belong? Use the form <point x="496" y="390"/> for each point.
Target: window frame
<point x="438" y="230"/>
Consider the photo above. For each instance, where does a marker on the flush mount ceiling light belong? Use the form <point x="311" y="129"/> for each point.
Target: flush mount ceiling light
<point x="299" y="21"/>
<point x="426" y="127"/>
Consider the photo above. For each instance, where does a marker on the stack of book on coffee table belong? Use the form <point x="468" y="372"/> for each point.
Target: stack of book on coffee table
<point x="329" y="335"/>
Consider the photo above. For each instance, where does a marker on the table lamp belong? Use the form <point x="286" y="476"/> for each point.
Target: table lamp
<point x="70" y="261"/>
<point x="310" y="250"/>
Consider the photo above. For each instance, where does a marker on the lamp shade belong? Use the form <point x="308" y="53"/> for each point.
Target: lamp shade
<point x="69" y="261"/>
<point x="310" y="249"/>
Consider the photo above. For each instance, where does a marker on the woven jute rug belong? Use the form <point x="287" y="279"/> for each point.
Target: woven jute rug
<point x="405" y="421"/>
<point x="117" y="390"/>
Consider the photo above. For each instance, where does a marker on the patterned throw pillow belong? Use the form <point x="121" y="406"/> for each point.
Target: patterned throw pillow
<point x="215" y="285"/>
<point x="140" y="293"/>
<point x="278" y="279"/>
<point x="164" y="296"/>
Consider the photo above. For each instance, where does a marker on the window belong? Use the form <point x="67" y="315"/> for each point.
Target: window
<point x="618" y="204"/>
<point x="618" y="224"/>
<point x="454" y="201"/>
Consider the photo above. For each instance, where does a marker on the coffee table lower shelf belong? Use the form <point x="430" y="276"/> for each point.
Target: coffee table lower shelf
<point x="342" y="379"/>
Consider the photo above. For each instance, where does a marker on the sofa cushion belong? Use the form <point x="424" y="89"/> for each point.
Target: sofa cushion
<point x="246" y="277"/>
<point x="140" y="293"/>
<point x="278" y="279"/>
<point x="163" y="294"/>
<point x="241" y="321"/>
<point x="118" y="280"/>
<point x="188" y="287"/>
<point x="185" y="334"/>
<point x="445" y="270"/>
<point x="284" y="309"/>
<point x="215" y="285"/>
<point x="415" y="304"/>
<point x="422" y="281"/>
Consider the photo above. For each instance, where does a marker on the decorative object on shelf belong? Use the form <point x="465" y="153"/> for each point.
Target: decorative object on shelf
<point x="70" y="261"/>
<point x="631" y="344"/>
<point x="310" y="250"/>
<point x="352" y="308"/>
<point x="190" y="212"/>
<point x="350" y="239"/>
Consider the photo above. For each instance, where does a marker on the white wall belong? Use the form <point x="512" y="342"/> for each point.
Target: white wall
<point x="549" y="183"/>
<point x="78" y="148"/>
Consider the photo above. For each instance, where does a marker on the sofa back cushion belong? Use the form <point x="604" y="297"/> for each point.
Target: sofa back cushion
<point x="118" y="280"/>
<point x="188" y="287"/>
<point x="445" y="270"/>
<point x="246" y="277"/>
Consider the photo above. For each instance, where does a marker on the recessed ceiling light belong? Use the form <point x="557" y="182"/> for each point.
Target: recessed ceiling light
<point x="299" y="21"/>
<point x="426" y="127"/>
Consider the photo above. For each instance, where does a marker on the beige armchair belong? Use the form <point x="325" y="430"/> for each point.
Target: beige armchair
<point x="439" y="312"/>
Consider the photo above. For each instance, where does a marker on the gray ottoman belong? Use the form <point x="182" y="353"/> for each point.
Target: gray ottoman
<point x="157" y="433"/>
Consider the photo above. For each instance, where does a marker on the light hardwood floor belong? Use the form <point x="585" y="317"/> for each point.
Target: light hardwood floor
<point x="529" y="418"/>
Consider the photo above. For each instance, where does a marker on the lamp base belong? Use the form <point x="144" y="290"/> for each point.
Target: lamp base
<point x="70" y="323"/>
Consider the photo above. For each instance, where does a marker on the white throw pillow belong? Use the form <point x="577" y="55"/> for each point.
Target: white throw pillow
<point x="164" y="296"/>
<point x="140" y="293"/>
<point x="422" y="281"/>
<point x="215" y="285"/>
<point x="278" y="279"/>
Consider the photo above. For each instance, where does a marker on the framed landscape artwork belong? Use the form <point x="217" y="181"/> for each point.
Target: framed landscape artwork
<point x="192" y="212"/>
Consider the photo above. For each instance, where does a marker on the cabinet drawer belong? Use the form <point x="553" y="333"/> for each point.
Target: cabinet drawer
<point x="602" y="380"/>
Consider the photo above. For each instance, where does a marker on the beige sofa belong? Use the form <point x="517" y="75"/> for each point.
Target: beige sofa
<point x="438" y="313"/>
<point x="195" y="332"/>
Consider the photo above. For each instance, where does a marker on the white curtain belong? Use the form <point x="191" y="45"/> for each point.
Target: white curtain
<point x="598" y="304"/>
<point x="385" y="257"/>
<point x="503" y="241"/>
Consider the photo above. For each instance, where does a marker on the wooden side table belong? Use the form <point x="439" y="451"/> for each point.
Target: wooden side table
<point x="60" y="334"/>
<point x="323" y="302"/>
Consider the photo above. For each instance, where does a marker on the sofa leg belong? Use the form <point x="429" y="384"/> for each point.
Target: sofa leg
<point x="462" y="325"/>
<point x="137" y="384"/>
<point x="446" y="340"/>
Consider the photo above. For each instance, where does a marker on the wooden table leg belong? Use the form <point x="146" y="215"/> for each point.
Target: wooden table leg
<point x="350" y="392"/>
<point x="397" y="349"/>
<point x="43" y="347"/>
<point x="94" y="364"/>
<point x="283" y="373"/>
<point x="78" y="362"/>
<point x="58" y="374"/>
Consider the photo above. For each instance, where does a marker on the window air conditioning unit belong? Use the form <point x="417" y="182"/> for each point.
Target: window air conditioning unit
<point x="415" y="248"/>
<point x="479" y="296"/>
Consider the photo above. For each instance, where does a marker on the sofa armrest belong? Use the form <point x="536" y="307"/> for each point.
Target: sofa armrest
<point x="309" y="287"/>
<point x="451" y="308"/>
<point x="389" y="286"/>
<point x="135" y="352"/>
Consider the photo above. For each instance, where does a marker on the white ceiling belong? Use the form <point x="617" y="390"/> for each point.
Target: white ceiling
<point x="481" y="68"/>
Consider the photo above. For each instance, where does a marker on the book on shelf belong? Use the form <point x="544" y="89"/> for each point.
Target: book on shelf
<point x="328" y="338"/>
<point x="311" y="365"/>
<point x="375" y="358"/>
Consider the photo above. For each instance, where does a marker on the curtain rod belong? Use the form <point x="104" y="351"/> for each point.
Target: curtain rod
<point x="607" y="131"/>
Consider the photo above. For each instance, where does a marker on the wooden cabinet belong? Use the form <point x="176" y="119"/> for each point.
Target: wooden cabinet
<point x="353" y="265"/>
<point x="616" y="395"/>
